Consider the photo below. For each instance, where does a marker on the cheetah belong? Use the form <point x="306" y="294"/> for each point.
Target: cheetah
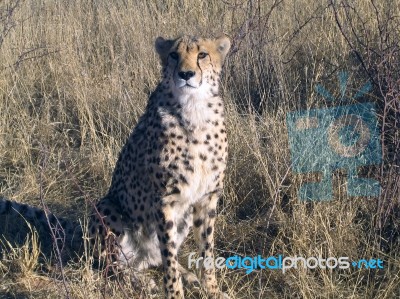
<point x="169" y="174"/>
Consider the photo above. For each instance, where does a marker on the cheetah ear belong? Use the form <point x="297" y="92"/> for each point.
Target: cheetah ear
<point x="163" y="46"/>
<point x="223" y="45"/>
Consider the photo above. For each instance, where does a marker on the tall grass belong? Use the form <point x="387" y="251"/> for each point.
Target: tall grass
<point x="75" y="76"/>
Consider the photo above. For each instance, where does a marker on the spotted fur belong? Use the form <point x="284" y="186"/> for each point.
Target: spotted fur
<point x="169" y="174"/>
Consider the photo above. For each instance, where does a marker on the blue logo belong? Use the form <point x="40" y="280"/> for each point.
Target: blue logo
<point x="342" y="137"/>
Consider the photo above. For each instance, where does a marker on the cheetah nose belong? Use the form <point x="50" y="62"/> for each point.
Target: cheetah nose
<point x="186" y="75"/>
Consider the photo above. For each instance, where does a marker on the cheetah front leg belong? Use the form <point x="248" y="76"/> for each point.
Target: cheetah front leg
<point x="203" y="225"/>
<point x="167" y="235"/>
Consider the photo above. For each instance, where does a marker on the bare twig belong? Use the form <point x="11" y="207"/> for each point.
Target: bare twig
<point x="7" y="22"/>
<point x="349" y="42"/>
<point x="255" y="22"/>
<point x="56" y="230"/>
<point x="381" y="64"/>
<point x="110" y="244"/>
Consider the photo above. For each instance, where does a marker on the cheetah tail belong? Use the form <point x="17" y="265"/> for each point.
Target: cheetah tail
<point x="68" y="231"/>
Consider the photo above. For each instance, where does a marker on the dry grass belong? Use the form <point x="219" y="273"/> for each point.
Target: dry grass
<point x="75" y="77"/>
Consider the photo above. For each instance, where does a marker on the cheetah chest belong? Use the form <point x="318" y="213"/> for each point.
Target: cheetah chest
<point x="194" y="162"/>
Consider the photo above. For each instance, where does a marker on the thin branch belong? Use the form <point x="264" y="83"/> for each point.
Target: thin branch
<point x="352" y="47"/>
<point x="6" y="20"/>
<point x="56" y="230"/>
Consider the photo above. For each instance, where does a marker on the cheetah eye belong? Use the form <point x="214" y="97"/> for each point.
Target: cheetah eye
<point x="174" y="55"/>
<point x="202" y="55"/>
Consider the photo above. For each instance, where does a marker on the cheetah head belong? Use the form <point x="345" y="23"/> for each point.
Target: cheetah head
<point x="192" y="64"/>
